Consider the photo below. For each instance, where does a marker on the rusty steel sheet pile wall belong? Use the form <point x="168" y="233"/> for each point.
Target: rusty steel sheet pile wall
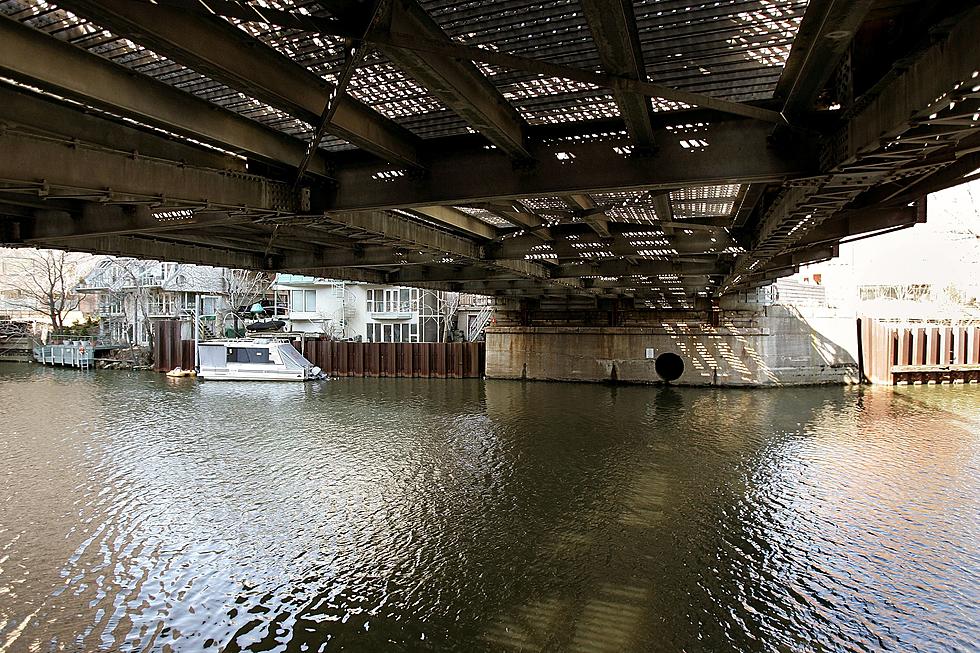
<point x="441" y="360"/>
<point x="168" y="352"/>
<point x="453" y="360"/>
<point x="922" y="353"/>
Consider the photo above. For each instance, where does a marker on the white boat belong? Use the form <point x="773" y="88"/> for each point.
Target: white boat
<point x="254" y="359"/>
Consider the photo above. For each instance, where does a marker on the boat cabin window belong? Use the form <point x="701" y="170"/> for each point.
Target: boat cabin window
<point x="248" y="355"/>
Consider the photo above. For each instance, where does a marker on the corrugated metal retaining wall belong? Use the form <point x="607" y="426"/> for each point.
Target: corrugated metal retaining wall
<point x="441" y="360"/>
<point x="168" y="350"/>
<point x="890" y="352"/>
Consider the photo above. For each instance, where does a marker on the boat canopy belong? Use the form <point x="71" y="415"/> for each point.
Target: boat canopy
<point x="212" y="355"/>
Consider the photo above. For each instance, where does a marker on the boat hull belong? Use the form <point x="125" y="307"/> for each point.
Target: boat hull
<point x="240" y="375"/>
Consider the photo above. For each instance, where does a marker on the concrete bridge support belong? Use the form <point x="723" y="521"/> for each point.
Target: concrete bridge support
<point x="765" y="346"/>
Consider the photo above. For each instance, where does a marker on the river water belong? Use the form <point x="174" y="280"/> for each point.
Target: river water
<point x="140" y="513"/>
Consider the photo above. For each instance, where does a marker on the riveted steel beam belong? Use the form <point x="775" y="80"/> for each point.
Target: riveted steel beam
<point x="826" y="32"/>
<point x="614" y="33"/>
<point x="455" y="218"/>
<point x="47" y="116"/>
<point x="35" y="58"/>
<point x="405" y="232"/>
<point x="732" y="152"/>
<point x="568" y="272"/>
<point x="96" y="219"/>
<point x="372" y="256"/>
<point x="457" y="83"/>
<point x="563" y="247"/>
<point x="595" y="218"/>
<point x="66" y="168"/>
<point x="622" y="268"/>
<point x="213" y="47"/>
<point x="144" y="248"/>
<point x="860" y="222"/>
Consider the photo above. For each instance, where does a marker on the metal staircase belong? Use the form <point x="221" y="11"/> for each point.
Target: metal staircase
<point x="478" y="326"/>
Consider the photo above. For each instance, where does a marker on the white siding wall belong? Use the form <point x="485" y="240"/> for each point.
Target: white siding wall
<point x="330" y="308"/>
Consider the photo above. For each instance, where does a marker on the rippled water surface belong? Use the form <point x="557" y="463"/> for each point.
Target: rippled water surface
<point x="141" y="513"/>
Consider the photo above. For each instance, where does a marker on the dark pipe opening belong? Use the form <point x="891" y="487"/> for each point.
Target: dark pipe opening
<point x="669" y="366"/>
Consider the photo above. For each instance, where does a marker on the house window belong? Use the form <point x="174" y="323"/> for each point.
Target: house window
<point x="391" y="301"/>
<point x="110" y="305"/>
<point x="303" y="301"/>
<point x="377" y="332"/>
<point x="209" y="305"/>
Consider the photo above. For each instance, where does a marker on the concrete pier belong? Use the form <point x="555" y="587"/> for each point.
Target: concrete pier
<point x="772" y="346"/>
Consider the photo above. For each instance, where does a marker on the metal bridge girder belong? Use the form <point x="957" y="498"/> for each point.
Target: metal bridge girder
<point x="35" y="58"/>
<point x="614" y="33"/>
<point x="214" y="47"/>
<point x="144" y="248"/>
<point x="68" y="168"/>
<point x="827" y="30"/>
<point x="735" y="151"/>
<point x="456" y="82"/>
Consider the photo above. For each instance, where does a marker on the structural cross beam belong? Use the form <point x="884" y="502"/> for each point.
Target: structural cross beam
<point x="36" y="59"/>
<point x="614" y="33"/>
<point x="52" y="168"/>
<point x="457" y="83"/>
<point x="212" y="46"/>
<point x="826" y="32"/>
<point x="737" y="151"/>
<point x="597" y="220"/>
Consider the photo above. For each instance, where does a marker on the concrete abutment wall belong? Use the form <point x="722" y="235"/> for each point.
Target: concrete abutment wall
<point x="773" y="346"/>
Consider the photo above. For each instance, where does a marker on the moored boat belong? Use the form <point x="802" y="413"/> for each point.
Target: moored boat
<point x="254" y="359"/>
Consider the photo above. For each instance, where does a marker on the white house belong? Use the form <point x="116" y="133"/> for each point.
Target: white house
<point x="369" y="312"/>
<point x="132" y="294"/>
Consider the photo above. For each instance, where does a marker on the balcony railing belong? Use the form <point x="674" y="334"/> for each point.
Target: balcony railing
<point x="168" y="309"/>
<point x="396" y="310"/>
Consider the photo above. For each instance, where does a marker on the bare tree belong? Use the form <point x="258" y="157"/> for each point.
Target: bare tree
<point x="126" y="281"/>
<point x="242" y="288"/>
<point x="49" y="279"/>
<point x="448" y="306"/>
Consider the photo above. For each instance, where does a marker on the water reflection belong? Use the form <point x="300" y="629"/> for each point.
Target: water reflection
<point x="375" y="514"/>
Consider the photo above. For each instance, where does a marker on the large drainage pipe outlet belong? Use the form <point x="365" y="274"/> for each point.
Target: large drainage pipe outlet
<point x="669" y="366"/>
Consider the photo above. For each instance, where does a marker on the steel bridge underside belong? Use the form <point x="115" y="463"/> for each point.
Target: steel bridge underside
<point x="659" y="153"/>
